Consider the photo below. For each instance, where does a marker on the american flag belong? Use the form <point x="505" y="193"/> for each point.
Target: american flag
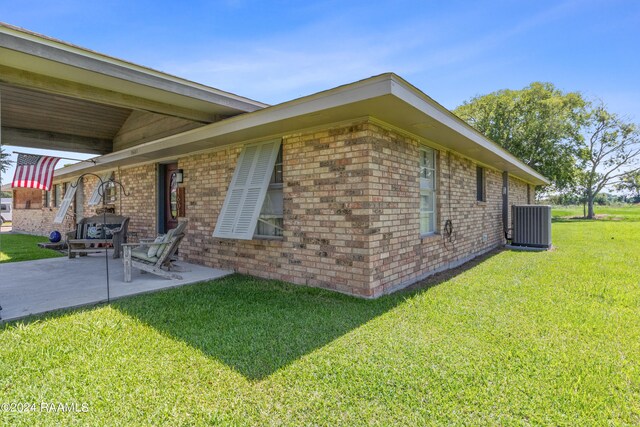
<point x="34" y="171"/>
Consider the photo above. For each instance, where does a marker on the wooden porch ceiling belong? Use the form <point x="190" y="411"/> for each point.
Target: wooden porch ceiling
<point x="36" y="119"/>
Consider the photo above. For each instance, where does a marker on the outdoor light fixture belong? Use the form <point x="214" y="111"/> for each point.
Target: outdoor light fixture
<point x="179" y="176"/>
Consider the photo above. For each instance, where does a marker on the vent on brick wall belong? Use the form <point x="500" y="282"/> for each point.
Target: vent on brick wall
<point x="531" y="226"/>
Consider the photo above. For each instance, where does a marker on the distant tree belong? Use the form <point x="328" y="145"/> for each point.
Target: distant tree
<point x="4" y="160"/>
<point x="610" y="151"/>
<point x="4" y="166"/>
<point x="539" y="124"/>
<point x="630" y="184"/>
<point x="576" y="192"/>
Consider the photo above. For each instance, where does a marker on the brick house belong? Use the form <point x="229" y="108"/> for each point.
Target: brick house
<point x="363" y="189"/>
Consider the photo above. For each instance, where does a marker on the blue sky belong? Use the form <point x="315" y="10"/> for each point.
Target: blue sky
<point x="274" y="51"/>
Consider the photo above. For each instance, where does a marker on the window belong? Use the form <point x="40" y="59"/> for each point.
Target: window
<point x="62" y="191"/>
<point x="57" y="195"/>
<point x="47" y="199"/>
<point x="480" y="193"/>
<point x="246" y="200"/>
<point x="270" y="220"/>
<point x="110" y="191"/>
<point x="427" y="190"/>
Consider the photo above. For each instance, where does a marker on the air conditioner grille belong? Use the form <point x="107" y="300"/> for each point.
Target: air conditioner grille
<point x="531" y="225"/>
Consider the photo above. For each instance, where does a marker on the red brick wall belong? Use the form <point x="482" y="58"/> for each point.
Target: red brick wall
<point x="351" y="212"/>
<point x="140" y="183"/>
<point x="517" y="194"/>
<point x="399" y="255"/>
<point x="324" y="242"/>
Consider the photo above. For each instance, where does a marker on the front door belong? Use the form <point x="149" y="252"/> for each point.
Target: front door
<point x="170" y="197"/>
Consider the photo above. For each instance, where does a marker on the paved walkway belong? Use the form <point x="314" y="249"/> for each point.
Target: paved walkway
<point x="32" y="287"/>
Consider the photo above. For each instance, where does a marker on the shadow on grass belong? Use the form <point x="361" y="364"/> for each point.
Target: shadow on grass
<point x="254" y="326"/>
<point x="258" y="326"/>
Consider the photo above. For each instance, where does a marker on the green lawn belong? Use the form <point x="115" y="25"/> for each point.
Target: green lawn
<point x="22" y="247"/>
<point x="614" y="213"/>
<point x="546" y="338"/>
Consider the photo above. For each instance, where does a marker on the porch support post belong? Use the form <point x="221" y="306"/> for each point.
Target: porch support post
<point x="1" y="146"/>
<point x="1" y="129"/>
<point x="127" y="263"/>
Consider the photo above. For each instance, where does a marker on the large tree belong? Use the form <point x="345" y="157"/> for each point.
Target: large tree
<point x="609" y="152"/>
<point x="539" y="124"/>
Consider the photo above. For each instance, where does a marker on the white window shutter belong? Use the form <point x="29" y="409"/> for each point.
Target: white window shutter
<point x="64" y="206"/>
<point x="246" y="193"/>
<point x="95" y="196"/>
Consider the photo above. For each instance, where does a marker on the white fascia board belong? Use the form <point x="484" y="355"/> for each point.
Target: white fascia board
<point x="362" y="90"/>
<point x="374" y="87"/>
<point x="415" y="98"/>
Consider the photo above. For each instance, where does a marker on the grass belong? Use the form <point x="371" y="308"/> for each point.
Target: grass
<point x="548" y="338"/>
<point x="22" y="247"/>
<point x="612" y="213"/>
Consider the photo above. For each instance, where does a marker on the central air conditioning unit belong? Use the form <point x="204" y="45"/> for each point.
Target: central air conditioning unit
<point x="531" y="226"/>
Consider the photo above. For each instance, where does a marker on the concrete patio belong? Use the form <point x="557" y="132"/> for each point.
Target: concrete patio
<point x="33" y="287"/>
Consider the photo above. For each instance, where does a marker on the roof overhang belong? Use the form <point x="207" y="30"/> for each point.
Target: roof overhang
<point x="39" y="55"/>
<point x="386" y="97"/>
<point x="58" y="96"/>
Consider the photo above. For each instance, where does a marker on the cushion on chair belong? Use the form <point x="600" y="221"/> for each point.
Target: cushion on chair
<point x="154" y="249"/>
<point x="167" y="240"/>
<point x="141" y="254"/>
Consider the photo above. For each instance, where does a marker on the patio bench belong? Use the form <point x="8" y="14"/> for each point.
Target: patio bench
<point x="93" y="233"/>
<point x="155" y="257"/>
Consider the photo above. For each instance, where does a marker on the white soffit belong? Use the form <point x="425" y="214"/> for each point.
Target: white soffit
<point x="386" y="97"/>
